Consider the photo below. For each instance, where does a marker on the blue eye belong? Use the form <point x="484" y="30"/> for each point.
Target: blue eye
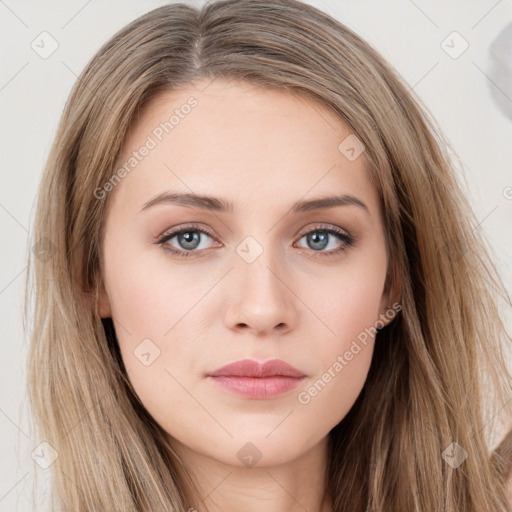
<point x="189" y="240"/>
<point x="318" y="239"/>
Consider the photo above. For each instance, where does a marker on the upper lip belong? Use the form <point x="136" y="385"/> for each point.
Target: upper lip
<point x="252" y="368"/>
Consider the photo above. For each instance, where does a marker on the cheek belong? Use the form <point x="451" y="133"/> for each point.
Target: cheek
<point x="156" y="313"/>
<point x="148" y="296"/>
<point x="152" y="305"/>
<point x="348" y="299"/>
<point x="349" y="306"/>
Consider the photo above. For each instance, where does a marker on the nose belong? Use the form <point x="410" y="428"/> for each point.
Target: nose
<point x="261" y="301"/>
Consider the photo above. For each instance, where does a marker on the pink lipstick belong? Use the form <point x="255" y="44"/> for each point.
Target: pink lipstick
<point x="251" y="379"/>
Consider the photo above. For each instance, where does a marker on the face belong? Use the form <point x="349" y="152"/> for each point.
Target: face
<point x="216" y="249"/>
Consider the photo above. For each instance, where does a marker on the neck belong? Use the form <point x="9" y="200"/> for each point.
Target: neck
<point x="291" y="486"/>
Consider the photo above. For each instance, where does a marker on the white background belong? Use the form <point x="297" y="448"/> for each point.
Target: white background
<point x="33" y="91"/>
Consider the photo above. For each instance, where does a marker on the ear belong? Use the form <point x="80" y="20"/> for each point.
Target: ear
<point x="391" y="297"/>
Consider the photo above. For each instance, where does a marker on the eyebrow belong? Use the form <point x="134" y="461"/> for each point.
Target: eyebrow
<point x="217" y="204"/>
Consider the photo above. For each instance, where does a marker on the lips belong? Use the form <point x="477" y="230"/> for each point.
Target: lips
<point x="252" y="368"/>
<point x="251" y="379"/>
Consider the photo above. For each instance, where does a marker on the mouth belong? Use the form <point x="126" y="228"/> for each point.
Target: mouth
<point x="251" y="379"/>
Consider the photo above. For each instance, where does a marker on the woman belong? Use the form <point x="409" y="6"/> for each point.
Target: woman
<point x="264" y="288"/>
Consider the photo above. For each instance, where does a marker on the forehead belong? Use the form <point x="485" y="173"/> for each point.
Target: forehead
<point x="236" y="139"/>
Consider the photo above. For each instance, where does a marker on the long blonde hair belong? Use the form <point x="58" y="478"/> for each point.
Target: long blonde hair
<point x="433" y="367"/>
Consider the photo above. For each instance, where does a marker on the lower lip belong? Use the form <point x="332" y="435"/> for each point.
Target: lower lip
<point x="257" y="387"/>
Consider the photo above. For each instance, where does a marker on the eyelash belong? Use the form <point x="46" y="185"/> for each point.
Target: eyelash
<point x="341" y="235"/>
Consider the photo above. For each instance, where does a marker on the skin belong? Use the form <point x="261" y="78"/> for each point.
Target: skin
<point x="263" y="150"/>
